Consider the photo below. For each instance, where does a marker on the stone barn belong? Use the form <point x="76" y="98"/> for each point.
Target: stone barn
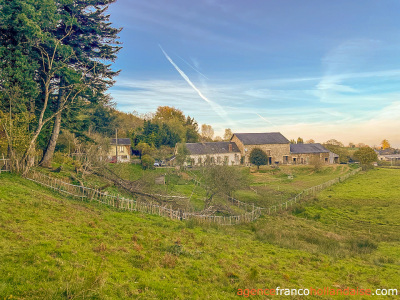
<point x="274" y="144"/>
<point x="216" y="153"/>
<point x="306" y="153"/>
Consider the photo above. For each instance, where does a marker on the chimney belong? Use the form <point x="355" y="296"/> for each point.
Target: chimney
<point x="230" y="147"/>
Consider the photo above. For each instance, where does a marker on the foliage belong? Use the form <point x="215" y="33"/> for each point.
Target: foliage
<point x="316" y="162"/>
<point x="228" y="134"/>
<point x="207" y="133"/>
<point x="385" y="144"/>
<point x="144" y="148"/>
<point x="310" y="141"/>
<point x="300" y="140"/>
<point x="258" y="157"/>
<point x="344" y="153"/>
<point x="334" y="142"/>
<point x="365" y="155"/>
<point x="147" y="162"/>
<point x="222" y="180"/>
<point x="181" y="153"/>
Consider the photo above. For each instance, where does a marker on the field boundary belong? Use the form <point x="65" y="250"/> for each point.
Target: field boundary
<point x="123" y="203"/>
<point x="312" y="191"/>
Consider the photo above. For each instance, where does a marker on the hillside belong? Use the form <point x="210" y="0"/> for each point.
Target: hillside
<point x="53" y="247"/>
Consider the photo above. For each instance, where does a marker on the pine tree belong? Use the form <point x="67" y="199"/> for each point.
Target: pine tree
<point x="93" y="41"/>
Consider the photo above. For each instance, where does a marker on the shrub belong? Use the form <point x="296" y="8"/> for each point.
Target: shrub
<point x="147" y="162"/>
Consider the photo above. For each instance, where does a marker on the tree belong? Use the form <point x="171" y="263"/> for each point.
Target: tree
<point x="334" y="143"/>
<point x="192" y="130"/>
<point x="300" y="140"/>
<point x="344" y="154"/>
<point x="144" y="148"/>
<point x="228" y="134"/>
<point x="92" y="42"/>
<point x="207" y="132"/>
<point x="258" y="157"/>
<point x="218" y="139"/>
<point x="365" y="155"/>
<point x="292" y="141"/>
<point x="310" y="141"/>
<point x="147" y="162"/>
<point x="222" y="180"/>
<point x="385" y="144"/>
<point x="181" y="154"/>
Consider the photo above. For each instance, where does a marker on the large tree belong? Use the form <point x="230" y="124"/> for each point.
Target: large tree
<point x="94" y="43"/>
<point x="365" y="155"/>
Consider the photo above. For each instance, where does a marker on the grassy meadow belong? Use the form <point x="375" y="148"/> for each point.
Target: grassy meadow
<point x="55" y="247"/>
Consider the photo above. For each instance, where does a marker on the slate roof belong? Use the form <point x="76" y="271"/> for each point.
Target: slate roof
<point x="121" y="142"/>
<point x="211" y="148"/>
<point x="307" y="148"/>
<point x="262" y="138"/>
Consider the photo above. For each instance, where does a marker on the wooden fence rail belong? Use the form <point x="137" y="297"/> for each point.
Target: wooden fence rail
<point x="308" y="192"/>
<point x="252" y="212"/>
<point x="123" y="203"/>
<point x="5" y="165"/>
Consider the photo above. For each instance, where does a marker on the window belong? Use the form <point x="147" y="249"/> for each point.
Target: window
<point x="199" y="160"/>
<point x="226" y="159"/>
<point x="326" y="159"/>
<point x="285" y="159"/>
<point x="121" y="148"/>
<point x="219" y="159"/>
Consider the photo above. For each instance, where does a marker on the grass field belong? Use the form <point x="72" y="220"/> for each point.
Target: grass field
<point x="52" y="247"/>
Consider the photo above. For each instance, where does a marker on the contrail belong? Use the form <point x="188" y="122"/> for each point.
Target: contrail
<point x="264" y="118"/>
<point x="217" y="108"/>
<point x="193" y="67"/>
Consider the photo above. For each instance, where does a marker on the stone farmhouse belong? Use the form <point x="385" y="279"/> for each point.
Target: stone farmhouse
<point x="216" y="153"/>
<point x="274" y="144"/>
<point x="120" y="150"/>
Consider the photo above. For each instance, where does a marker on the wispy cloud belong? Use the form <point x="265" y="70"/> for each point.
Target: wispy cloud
<point x="215" y="107"/>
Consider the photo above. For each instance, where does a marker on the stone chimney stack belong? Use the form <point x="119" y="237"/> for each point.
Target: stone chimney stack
<point x="230" y="147"/>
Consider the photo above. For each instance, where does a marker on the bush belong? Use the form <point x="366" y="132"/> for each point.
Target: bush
<point x="147" y="162"/>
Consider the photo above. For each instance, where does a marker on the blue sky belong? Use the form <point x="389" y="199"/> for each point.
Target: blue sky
<point x="315" y="69"/>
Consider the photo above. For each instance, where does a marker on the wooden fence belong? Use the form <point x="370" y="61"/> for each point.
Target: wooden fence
<point x="251" y="214"/>
<point x="89" y="194"/>
<point x="4" y="165"/>
<point x="308" y="192"/>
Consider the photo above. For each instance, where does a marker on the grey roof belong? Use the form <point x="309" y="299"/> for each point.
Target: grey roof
<point x="308" y="148"/>
<point x="211" y="148"/>
<point x="122" y="142"/>
<point x="262" y="138"/>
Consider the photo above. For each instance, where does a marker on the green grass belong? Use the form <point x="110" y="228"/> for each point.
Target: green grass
<point x="273" y="186"/>
<point x="52" y="247"/>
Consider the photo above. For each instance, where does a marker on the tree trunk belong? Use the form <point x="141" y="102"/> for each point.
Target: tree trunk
<point x="51" y="146"/>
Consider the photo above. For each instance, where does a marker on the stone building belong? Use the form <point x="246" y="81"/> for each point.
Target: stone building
<point x="306" y="153"/>
<point x="274" y="144"/>
<point x="120" y="147"/>
<point x="216" y="153"/>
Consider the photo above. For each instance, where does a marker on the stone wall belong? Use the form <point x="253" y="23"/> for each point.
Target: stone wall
<point x="307" y="158"/>
<point x="276" y="152"/>
<point x="231" y="159"/>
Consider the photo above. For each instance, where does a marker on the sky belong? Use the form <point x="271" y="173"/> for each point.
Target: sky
<point x="312" y="69"/>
